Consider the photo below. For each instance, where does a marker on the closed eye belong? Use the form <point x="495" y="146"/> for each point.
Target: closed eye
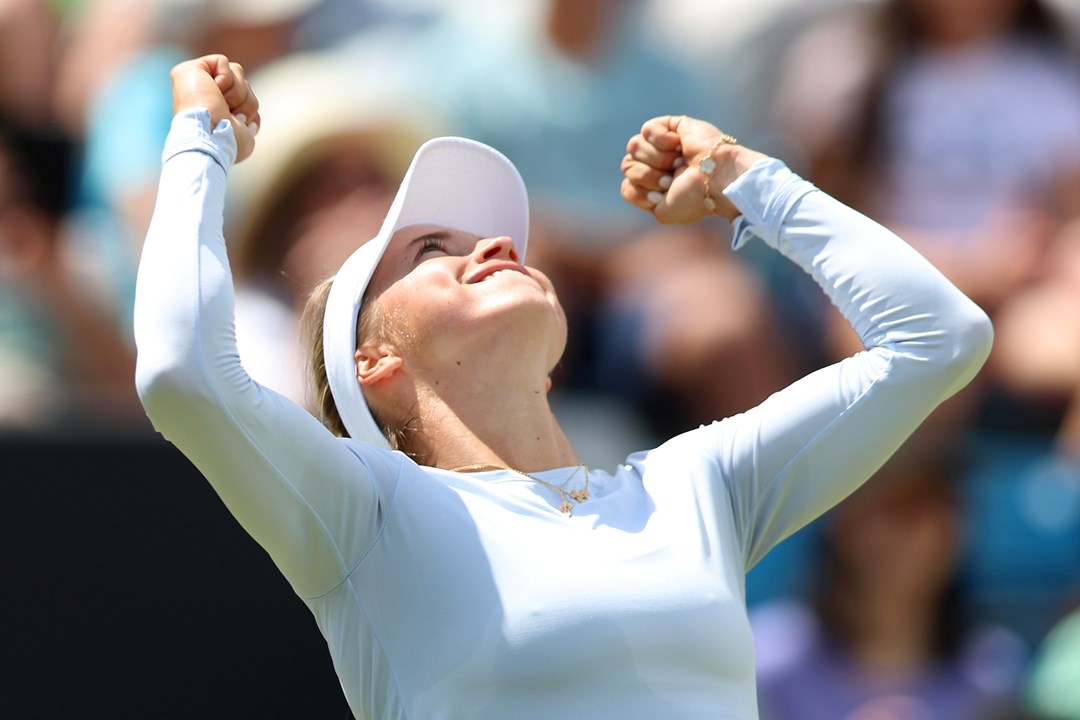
<point x="435" y="242"/>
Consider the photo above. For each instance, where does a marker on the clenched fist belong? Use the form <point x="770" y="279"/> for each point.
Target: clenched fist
<point x="214" y="83"/>
<point x="661" y="169"/>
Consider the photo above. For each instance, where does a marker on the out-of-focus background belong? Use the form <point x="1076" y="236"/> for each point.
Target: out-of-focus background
<point x="947" y="588"/>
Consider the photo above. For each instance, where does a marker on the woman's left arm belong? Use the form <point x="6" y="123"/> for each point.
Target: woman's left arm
<point x="808" y="446"/>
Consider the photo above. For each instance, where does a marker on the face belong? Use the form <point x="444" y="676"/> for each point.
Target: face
<point x="447" y="294"/>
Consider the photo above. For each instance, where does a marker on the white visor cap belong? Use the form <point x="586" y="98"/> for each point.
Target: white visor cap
<point x="454" y="182"/>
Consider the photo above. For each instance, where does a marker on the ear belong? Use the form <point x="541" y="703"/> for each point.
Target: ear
<point x="376" y="364"/>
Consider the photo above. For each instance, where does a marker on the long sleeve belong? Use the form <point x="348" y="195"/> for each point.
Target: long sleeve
<point x="808" y="446"/>
<point x="311" y="500"/>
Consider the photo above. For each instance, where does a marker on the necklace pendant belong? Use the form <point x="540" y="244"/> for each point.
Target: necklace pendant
<point x="580" y="495"/>
<point x="566" y="508"/>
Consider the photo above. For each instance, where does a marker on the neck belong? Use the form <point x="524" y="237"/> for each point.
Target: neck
<point x="485" y="423"/>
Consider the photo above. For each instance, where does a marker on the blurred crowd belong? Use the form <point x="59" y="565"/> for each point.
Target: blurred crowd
<point x="947" y="587"/>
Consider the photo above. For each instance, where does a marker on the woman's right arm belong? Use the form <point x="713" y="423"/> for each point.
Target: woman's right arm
<point x="301" y="493"/>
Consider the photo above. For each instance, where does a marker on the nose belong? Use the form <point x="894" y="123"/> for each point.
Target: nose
<point x="495" y="248"/>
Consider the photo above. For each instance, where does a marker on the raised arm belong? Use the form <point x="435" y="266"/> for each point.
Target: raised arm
<point x="303" y="494"/>
<point x="808" y="446"/>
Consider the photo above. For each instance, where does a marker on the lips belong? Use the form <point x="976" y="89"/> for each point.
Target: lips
<point x="489" y="270"/>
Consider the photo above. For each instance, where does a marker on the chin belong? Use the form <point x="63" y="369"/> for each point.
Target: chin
<point x="533" y="327"/>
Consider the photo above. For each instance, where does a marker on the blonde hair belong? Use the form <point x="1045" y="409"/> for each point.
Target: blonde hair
<point x="370" y="324"/>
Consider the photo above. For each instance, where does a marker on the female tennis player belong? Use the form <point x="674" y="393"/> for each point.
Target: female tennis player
<point x="472" y="566"/>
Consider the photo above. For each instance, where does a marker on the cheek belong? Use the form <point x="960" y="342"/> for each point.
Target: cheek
<point x="552" y="296"/>
<point x="415" y="315"/>
<point x="429" y="315"/>
<point x="563" y="324"/>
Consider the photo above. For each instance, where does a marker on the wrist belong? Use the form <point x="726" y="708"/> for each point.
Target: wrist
<point x="729" y="161"/>
<point x="716" y="167"/>
<point x="741" y="159"/>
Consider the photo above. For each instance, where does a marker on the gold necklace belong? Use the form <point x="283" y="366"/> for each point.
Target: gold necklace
<point x="566" y="507"/>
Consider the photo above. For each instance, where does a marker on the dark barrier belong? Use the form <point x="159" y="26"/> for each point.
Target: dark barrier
<point x="130" y="592"/>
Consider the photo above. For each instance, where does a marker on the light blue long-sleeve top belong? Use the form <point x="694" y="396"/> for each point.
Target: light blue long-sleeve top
<point x="449" y="595"/>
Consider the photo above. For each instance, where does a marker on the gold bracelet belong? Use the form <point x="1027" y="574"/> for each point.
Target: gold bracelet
<point x="707" y="166"/>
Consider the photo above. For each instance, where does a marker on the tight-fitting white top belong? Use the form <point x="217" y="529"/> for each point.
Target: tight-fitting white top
<point x="446" y="595"/>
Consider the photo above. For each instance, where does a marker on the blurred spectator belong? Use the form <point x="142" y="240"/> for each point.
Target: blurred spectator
<point x="957" y="123"/>
<point x="317" y="186"/>
<point x="61" y="357"/>
<point x="887" y="637"/>
<point x="687" y="330"/>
